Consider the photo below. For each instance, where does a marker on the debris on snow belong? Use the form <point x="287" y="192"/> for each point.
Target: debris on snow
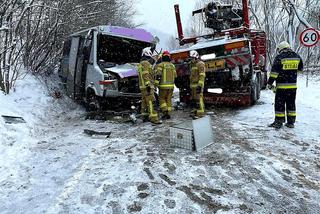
<point x="13" y="119"/>
<point x="92" y="132"/>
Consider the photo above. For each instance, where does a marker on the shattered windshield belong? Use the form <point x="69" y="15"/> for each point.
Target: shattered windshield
<point x="119" y="50"/>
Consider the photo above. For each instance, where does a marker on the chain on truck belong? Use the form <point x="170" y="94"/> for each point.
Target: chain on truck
<point x="234" y="54"/>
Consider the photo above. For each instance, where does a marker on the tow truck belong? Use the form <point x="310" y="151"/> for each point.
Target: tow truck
<point x="234" y="54"/>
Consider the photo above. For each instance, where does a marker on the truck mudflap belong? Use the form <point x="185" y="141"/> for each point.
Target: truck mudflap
<point x="225" y="99"/>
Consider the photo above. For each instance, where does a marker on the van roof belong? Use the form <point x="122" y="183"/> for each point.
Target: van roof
<point x="130" y="33"/>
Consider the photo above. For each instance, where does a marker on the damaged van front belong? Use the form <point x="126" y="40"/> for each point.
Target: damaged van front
<point x="99" y="65"/>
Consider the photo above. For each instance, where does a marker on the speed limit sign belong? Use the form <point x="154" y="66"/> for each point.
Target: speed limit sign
<point x="309" y="37"/>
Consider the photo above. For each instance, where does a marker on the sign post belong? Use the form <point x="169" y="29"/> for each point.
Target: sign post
<point x="309" y="38"/>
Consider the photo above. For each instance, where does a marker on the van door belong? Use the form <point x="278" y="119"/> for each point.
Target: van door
<point x="82" y="64"/>
<point x="64" y="63"/>
<point x="72" y="66"/>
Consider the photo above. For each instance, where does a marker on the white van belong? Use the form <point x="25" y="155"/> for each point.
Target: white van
<point x="98" y="65"/>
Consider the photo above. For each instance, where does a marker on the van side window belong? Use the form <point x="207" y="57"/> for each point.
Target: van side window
<point x="66" y="47"/>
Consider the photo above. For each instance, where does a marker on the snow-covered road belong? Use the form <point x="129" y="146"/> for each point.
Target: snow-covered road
<point x="48" y="165"/>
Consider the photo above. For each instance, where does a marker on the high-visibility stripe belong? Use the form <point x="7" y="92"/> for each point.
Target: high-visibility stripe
<point x="163" y="105"/>
<point x="292" y="113"/>
<point x="166" y="86"/>
<point x="230" y="63"/>
<point x="280" y="114"/>
<point x="164" y="74"/>
<point x="194" y="85"/>
<point x="286" y="85"/>
<point x="274" y="74"/>
<point x="238" y="60"/>
<point x="151" y="113"/>
<point x="201" y="83"/>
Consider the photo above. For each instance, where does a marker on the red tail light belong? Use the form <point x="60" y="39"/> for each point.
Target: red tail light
<point x="106" y="82"/>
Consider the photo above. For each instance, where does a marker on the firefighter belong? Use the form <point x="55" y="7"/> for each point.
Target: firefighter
<point x="284" y="72"/>
<point x="197" y="77"/>
<point x="146" y="85"/>
<point x="165" y="76"/>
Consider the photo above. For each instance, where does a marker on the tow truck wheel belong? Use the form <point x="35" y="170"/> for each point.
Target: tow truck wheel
<point x="255" y="90"/>
<point x="258" y="85"/>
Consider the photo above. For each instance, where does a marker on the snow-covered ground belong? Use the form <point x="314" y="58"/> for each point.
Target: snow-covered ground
<point x="48" y="165"/>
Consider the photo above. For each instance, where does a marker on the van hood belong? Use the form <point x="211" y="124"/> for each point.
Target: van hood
<point x="125" y="70"/>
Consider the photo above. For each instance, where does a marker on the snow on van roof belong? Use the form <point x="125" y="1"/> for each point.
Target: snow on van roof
<point x="209" y="43"/>
<point x="130" y="33"/>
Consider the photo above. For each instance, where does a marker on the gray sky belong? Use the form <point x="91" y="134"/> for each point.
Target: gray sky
<point x="159" y="18"/>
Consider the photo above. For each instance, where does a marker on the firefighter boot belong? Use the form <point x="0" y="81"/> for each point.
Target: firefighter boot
<point x="166" y="115"/>
<point x="276" y="125"/>
<point x="290" y="125"/>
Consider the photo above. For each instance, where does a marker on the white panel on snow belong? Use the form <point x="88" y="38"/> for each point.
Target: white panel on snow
<point x="181" y="135"/>
<point x="194" y="135"/>
<point x="202" y="131"/>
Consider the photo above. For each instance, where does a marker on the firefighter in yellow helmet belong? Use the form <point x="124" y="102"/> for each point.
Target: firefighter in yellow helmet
<point x="197" y="78"/>
<point x="165" y="76"/>
<point x="146" y="85"/>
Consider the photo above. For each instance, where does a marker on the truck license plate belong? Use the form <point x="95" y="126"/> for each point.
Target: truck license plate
<point x="216" y="64"/>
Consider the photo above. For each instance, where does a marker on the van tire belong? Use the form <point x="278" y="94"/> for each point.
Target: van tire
<point x="92" y="101"/>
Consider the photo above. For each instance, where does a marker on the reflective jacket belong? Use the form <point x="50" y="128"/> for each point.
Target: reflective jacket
<point x="284" y="70"/>
<point x="145" y="75"/>
<point x="165" y="75"/>
<point x="198" y="74"/>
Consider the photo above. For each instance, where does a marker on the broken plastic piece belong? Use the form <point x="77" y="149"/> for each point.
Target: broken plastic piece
<point x="92" y="132"/>
<point x="13" y="119"/>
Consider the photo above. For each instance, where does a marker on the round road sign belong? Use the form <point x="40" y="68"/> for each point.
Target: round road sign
<point x="309" y="37"/>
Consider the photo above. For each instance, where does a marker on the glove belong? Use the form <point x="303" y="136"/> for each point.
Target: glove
<point x="272" y="88"/>
<point x="198" y="89"/>
<point x="148" y="89"/>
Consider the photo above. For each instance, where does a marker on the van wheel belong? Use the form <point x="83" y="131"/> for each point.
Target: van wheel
<point x="92" y="102"/>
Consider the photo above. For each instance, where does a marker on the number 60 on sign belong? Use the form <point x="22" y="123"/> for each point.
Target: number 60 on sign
<point x="309" y="37"/>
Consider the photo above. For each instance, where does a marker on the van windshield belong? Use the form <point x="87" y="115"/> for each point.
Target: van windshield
<point x="118" y="50"/>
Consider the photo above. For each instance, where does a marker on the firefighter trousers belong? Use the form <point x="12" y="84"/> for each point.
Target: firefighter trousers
<point x="285" y="104"/>
<point x="165" y="100"/>
<point x="198" y="104"/>
<point x="147" y="106"/>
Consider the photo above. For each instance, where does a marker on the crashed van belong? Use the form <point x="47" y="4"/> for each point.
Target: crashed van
<point x="99" y="66"/>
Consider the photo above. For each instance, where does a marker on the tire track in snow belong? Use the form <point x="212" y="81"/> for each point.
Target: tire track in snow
<point x="72" y="182"/>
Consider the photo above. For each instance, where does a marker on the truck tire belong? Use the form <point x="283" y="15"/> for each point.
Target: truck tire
<point x="258" y="85"/>
<point x="255" y="90"/>
<point x="264" y="80"/>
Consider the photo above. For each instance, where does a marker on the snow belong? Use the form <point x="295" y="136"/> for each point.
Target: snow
<point x="48" y="165"/>
<point x="205" y="43"/>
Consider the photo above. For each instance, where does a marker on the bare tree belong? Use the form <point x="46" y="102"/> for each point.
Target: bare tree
<point x="32" y="31"/>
